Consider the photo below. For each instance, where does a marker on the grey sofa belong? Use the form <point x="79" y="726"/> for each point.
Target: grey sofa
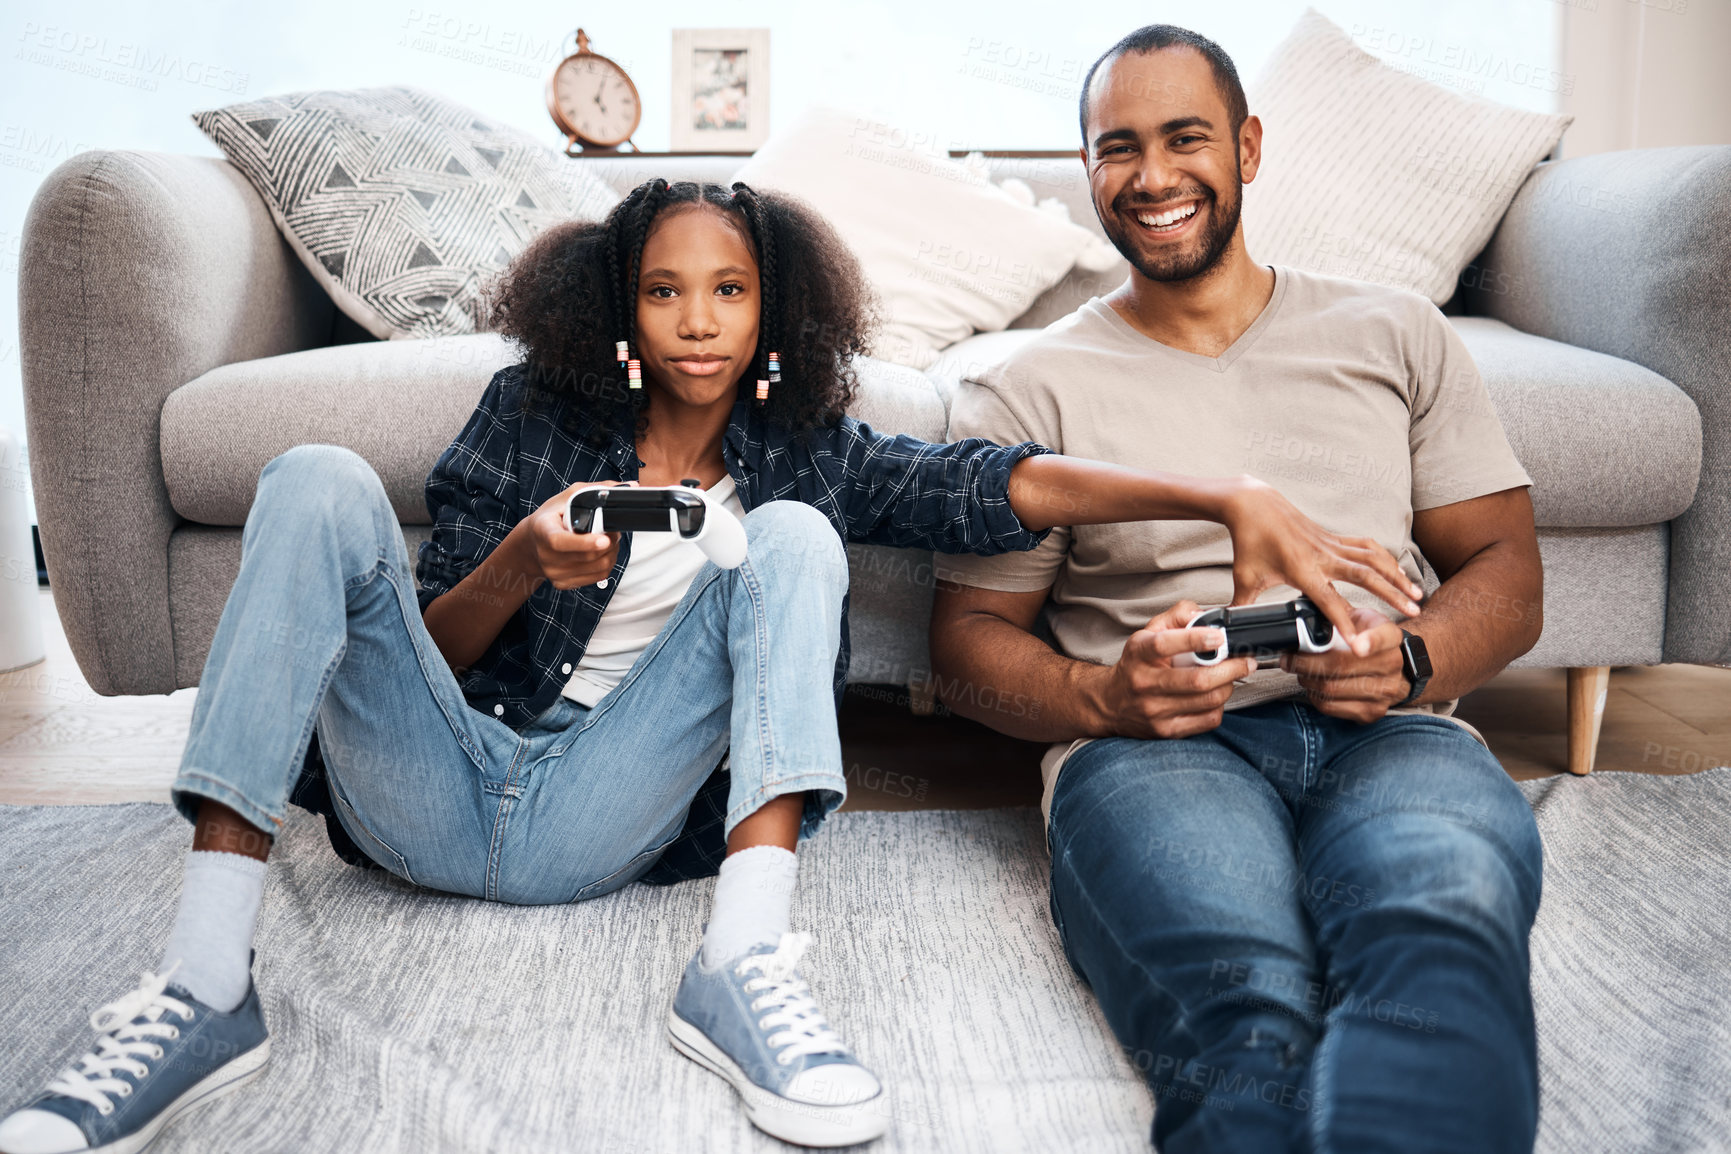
<point x="172" y="344"/>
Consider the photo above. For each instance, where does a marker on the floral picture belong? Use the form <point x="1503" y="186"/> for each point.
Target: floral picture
<point x="720" y="89"/>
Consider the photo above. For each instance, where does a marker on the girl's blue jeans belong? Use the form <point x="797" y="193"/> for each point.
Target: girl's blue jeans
<point x="322" y="629"/>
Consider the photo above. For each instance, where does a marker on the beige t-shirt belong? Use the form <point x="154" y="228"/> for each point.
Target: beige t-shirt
<point x="1357" y="402"/>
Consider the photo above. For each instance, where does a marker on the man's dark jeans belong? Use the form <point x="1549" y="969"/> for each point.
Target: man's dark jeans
<point x="1307" y="933"/>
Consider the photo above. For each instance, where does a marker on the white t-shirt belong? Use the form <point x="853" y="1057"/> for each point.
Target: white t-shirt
<point x="660" y="570"/>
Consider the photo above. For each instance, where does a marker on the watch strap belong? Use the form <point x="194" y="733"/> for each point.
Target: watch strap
<point x="1415" y="666"/>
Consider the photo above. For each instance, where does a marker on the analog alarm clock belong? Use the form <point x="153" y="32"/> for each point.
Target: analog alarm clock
<point x="592" y="101"/>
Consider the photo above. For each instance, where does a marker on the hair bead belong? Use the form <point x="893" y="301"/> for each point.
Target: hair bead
<point x="634" y="374"/>
<point x="774" y="378"/>
<point x="623" y="348"/>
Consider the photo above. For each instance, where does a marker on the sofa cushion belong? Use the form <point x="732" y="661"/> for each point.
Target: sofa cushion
<point x="1606" y="442"/>
<point x="967" y="359"/>
<point x="893" y="398"/>
<point x="398" y="404"/>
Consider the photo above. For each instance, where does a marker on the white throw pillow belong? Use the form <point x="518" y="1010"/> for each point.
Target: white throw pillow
<point x="948" y="252"/>
<point x="1374" y="174"/>
<point x="399" y="201"/>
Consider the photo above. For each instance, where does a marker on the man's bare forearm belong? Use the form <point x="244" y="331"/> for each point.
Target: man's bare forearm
<point x="466" y="620"/>
<point x="1483" y="617"/>
<point x="985" y="659"/>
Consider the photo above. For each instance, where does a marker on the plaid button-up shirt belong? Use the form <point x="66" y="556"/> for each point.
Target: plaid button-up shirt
<point x="510" y="459"/>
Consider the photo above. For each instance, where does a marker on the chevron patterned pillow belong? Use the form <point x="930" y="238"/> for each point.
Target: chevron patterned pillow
<point x="401" y="202"/>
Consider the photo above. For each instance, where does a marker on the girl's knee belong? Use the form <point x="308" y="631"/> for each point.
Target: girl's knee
<point x="792" y="532"/>
<point x="328" y="477"/>
<point x="309" y="461"/>
<point x="778" y="519"/>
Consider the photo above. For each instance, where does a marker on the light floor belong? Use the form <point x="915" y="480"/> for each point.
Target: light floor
<point x="61" y="743"/>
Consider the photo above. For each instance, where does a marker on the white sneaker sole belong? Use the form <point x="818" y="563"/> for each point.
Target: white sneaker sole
<point x="796" y="1122"/>
<point x="223" y="1080"/>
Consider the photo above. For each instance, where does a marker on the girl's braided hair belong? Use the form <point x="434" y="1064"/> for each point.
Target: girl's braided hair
<point x="572" y="293"/>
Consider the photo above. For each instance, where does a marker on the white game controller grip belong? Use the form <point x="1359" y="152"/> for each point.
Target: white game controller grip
<point x="722" y="537"/>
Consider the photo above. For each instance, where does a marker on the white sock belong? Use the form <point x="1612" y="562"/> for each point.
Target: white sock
<point x="212" y="938"/>
<point x="753" y="898"/>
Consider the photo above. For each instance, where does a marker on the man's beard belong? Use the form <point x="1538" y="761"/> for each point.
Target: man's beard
<point x="1192" y="260"/>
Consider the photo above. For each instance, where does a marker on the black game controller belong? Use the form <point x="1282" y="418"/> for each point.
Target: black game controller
<point x="1265" y="632"/>
<point x="684" y="509"/>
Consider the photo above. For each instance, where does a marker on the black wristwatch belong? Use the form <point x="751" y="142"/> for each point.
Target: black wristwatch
<point x="1415" y="664"/>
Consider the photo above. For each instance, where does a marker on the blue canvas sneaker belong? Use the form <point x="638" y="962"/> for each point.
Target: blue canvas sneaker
<point x="753" y="1021"/>
<point x="160" y="1053"/>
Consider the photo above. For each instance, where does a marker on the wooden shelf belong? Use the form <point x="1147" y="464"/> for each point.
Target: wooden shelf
<point x="999" y="153"/>
<point x="649" y="155"/>
<point x="1019" y="154"/>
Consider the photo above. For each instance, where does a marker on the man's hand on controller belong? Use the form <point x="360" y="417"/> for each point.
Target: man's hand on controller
<point x="1273" y="543"/>
<point x="566" y="559"/>
<point x="1349" y="686"/>
<point x="1146" y="696"/>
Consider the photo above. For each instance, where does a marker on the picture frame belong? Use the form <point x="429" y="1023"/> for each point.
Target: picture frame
<point x="720" y="89"/>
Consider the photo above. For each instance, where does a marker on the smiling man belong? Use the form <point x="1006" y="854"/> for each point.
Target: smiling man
<point x="1302" y="894"/>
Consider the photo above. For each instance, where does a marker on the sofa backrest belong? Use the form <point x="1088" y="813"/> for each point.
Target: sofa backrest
<point x="1063" y="178"/>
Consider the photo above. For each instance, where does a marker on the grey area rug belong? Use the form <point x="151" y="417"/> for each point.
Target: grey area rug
<point x="404" y="1020"/>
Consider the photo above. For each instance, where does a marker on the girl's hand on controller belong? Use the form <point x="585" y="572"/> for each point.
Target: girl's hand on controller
<point x="1275" y="544"/>
<point x="566" y="559"/>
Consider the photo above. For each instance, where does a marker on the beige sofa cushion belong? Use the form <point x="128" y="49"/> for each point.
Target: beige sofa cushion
<point x="1607" y="443"/>
<point x="397" y="404"/>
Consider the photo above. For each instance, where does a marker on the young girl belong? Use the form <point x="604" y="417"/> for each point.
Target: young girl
<point x="533" y="724"/>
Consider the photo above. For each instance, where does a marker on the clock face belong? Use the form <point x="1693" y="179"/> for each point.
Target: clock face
<point x="596" y="99"/>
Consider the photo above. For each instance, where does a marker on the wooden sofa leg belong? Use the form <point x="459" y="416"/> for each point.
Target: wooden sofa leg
<point x="1587" y="688"/>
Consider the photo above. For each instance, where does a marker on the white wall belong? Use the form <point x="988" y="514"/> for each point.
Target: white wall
<point x="86" y="74"/>
<point x="1652" y="73"/>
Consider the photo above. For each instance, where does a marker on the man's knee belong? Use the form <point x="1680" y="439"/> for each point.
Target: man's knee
<point x="1511" y="826"/>
<point x="1480" y="819"/>
<point x="1434" y="796"/>
<point x="1499" y="863"/>
<point x="793" y="535"/>
<point x="1432" y="874"/>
